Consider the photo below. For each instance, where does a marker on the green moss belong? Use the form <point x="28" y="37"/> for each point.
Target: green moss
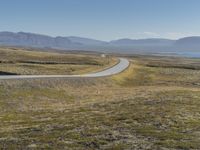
<point x="179" y="144"/>
<point x="159" y="134"/>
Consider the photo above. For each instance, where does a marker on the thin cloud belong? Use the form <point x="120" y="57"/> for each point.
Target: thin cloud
<point x="177" y="35"/>
<point x="147" y="33"/>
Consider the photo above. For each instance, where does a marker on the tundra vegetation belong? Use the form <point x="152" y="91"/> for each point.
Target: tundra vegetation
<point x="154" y="104"/>
<point x="23" y="62"/>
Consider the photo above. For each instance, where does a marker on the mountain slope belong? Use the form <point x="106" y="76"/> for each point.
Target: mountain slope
<point x="35" y="40"/>
<point x="188" y="43"/>
<point x="85" y="41"/>
<point x="194" y="40"/>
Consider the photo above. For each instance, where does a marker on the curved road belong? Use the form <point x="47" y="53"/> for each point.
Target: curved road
<point x="121" y="66"/>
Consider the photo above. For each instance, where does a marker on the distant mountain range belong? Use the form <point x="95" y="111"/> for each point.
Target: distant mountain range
<point x="79" y="43"/>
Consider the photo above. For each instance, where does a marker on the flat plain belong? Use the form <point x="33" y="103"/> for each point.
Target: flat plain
<point x="154" y="104"/>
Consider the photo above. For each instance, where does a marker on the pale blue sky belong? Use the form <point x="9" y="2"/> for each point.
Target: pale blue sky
<point x="102" y="19"/>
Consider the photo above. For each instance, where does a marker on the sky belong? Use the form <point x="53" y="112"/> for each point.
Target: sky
<point x="103" y="19"/>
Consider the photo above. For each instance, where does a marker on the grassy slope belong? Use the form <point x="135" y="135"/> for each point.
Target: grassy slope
<point x="143" y="108"/>
<point x="19" y="61"/>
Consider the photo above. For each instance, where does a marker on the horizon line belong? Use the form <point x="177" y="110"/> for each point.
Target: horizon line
<point x="91" y="38"/>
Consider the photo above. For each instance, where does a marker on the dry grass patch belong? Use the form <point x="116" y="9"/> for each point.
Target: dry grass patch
<point x="18" y="61"/>
<point x="142" y="108"/>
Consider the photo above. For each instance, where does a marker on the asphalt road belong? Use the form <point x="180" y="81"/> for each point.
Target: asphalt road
<point x="121" y="66"/>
